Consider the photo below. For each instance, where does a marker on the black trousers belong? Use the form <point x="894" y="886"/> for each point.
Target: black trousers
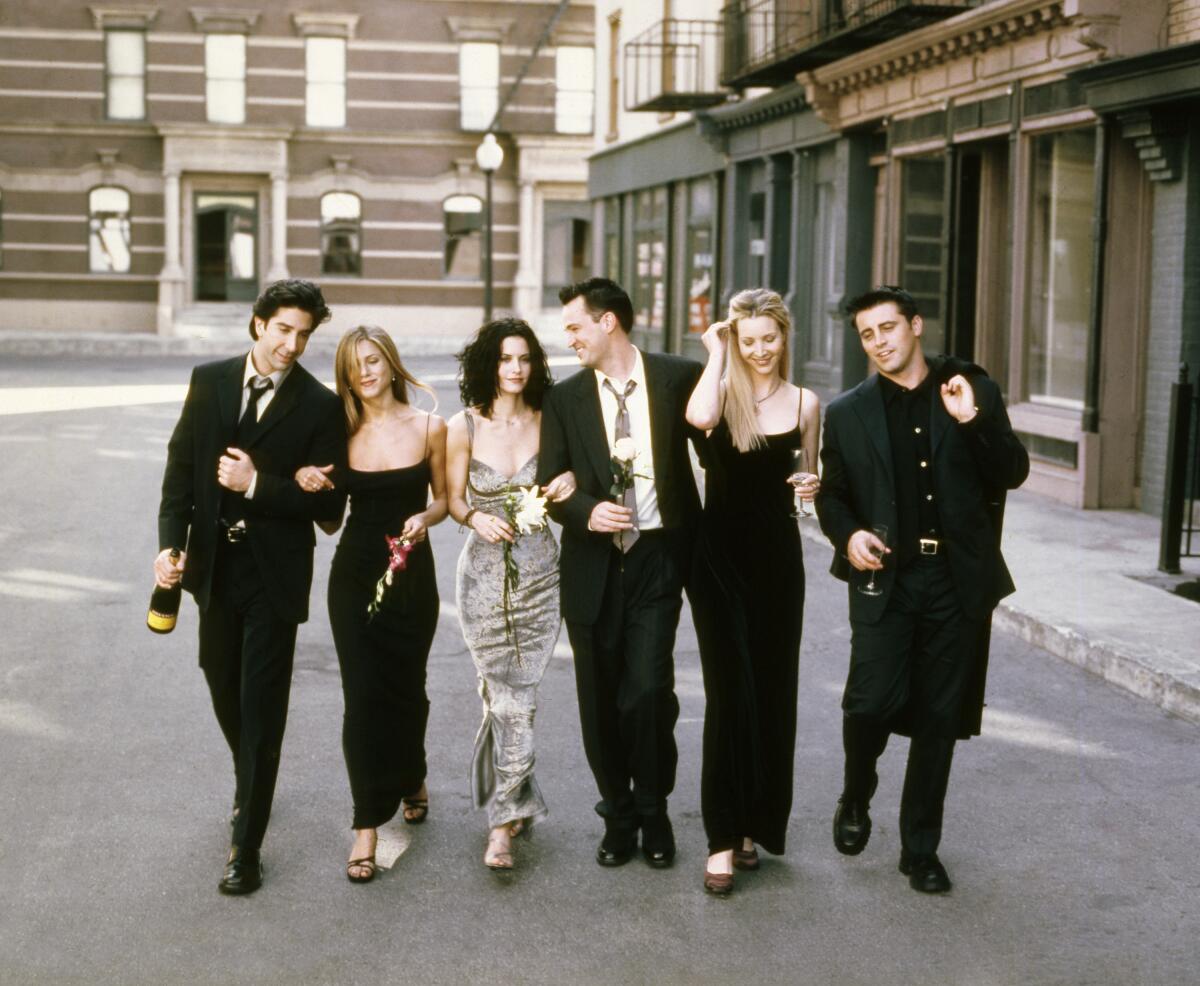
<point x="625" y="679"/>
<point x="246" y="654"/>
<point x="910" y="671"/>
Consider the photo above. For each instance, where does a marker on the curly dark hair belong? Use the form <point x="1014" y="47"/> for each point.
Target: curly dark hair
<point x="292" y="293"/>
<point x="480" y="360"/>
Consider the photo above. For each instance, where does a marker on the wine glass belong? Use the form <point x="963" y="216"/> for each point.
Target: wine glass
<point x="871" y="589"/>
<point x="800" y="471"/>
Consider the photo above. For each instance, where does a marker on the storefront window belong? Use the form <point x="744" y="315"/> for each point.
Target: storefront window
<point x="756" y="226"/>
<point x="922" y="256"/>
<point x="612" y="238"/>
<point x="700" y="245"/>
<point x="1060" y="277"/>
<point x="650" y="261"/>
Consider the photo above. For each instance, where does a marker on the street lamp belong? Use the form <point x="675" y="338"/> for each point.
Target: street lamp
<point x="489" y="155"/>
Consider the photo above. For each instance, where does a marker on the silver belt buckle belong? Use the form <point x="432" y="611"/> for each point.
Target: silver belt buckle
<point x="235" y="535"/>
<point x="930" y="546"/>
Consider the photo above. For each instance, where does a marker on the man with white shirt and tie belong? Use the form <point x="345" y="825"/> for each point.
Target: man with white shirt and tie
<point x="625" y="559"/>
<point x="229" y="497"/>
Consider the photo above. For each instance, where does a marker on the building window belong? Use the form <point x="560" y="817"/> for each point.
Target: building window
<point x="463" y="217"/>
<point x="109" y="230"/>
<point x="612" y="238"/>
<point x="756" y="225"/>
<point x="566" y="247"/>
<point x="614" y="75"/>
<point x="325" y="75"/>
<point x="701" y="240"/>
<point x="479" y="84"/>
<point x="650" y="261"/>
<point x="922" y="254"/>
<point x="1060" y="277"/>
<point x="574" y="99"/>
<point x="341" y="233"/>
<point x="225" y="77"/>
<point x="125" y="75"/>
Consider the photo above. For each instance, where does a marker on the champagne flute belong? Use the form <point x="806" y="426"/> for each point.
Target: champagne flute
<point x="800" y="472"/>
<point x="871" y="589"/>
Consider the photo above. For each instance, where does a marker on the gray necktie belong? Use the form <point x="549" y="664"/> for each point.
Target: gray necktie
<point x="624" y="539"/>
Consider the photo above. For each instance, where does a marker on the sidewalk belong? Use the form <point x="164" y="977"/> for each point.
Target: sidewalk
<point x="1084" y="577"/>
<point x="1081" y="597"/>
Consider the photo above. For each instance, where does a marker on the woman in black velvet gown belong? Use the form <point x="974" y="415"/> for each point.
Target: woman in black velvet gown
<point x="397" y="459"/>
<point x="748" y="580"/>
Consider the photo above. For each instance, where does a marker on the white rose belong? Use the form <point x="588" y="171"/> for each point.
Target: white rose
<point x="624" y="450"/>
<point x="530" y="513"/>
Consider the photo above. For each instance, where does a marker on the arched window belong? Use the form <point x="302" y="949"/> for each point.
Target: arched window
<point x="463" y="217"/>
<point x="341" y="233"/>
<point x="108" y="224"/>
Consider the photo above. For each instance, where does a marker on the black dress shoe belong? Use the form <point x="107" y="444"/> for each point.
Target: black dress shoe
<point x="617" y="846"/>
<point x="658" y="841"/>
<point x="243" y="872"/>
<point x="851" y="827"/>
<point x="925" y="873"/>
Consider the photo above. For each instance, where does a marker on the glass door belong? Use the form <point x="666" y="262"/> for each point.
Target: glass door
<point x="226" y="247"/>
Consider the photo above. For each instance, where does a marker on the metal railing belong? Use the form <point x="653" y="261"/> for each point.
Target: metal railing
<point x="768" y="41"/>
<point x="1180" y="532"/>
<point x="675" y="65"/>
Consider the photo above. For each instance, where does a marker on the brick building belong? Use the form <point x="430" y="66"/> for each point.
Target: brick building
<point x="159" y="162"/>
<point x="1026" y="167"/>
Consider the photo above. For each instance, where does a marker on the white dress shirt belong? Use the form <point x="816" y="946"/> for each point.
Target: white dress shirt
<point x="638" y="405"/>
<point x="264" y="402"/>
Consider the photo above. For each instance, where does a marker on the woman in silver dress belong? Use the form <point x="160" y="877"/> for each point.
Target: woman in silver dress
<point x="507" y="582"/>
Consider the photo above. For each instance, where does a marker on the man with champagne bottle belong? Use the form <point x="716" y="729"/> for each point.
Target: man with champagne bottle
<point x="916" y="463"/>
<point x="228" y="496"/>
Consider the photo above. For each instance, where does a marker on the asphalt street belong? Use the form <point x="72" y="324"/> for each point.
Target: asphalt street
<point x="1070" y="835"/>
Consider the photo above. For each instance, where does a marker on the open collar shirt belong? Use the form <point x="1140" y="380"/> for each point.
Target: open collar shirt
<point x="638" y="405"/>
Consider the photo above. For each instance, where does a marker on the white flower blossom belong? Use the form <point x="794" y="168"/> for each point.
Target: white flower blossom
<point x="529" y="513"/>
<point x="624" y="450"/>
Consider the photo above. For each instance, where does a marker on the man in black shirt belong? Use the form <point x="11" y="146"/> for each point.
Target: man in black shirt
<point x="922" y="450"/>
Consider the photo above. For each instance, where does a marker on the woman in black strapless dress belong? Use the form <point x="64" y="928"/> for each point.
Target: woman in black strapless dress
<point x="397" y="459"/>
<point x="747" y="587"/>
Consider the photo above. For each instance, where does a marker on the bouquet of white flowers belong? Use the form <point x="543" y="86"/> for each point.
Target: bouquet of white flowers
<point x="526" y="512"/>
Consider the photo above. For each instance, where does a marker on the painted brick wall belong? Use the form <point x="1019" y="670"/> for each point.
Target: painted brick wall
<point x="1183" y="21"/>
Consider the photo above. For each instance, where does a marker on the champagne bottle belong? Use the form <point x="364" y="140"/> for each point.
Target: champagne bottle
<point x="164" y="604"/>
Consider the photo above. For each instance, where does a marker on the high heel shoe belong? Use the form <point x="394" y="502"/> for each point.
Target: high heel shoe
<point x="498" y="855"/>
<point x="416" y="809"/>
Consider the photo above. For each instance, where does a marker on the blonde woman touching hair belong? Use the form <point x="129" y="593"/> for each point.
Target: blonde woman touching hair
<point x="397" y="487"/>
<point x="748" y="578"/>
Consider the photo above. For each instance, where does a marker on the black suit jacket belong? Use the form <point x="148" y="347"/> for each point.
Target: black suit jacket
<point x="573" y="437"/>
<point x="973" y="467"/>
<point x="303" y="425"/>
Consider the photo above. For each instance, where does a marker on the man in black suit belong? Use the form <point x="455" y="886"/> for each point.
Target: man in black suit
<point x="624" y="562"/>
<point x="925" y="449"/>
<point x="248" y="423"/>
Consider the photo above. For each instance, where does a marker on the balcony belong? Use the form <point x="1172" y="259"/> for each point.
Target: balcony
<point x="767" y="42"/>
<point x="675" y="65"/>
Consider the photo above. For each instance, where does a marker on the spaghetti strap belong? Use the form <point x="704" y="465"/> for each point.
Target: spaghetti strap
<point x="428" y="419"/>
<point x="470" y="431"/>
<point x="800" y="411"/>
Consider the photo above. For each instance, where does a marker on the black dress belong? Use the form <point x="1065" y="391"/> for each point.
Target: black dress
<point x="383" y="659"/>
<point x="748" y="607"/>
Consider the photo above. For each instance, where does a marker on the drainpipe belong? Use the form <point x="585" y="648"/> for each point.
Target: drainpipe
<point x="1091" y="404"/>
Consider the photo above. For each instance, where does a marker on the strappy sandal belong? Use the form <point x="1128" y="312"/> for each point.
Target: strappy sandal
<point x="745" y="859"/>
<point x="522" y="826"/>
<point x="419" y="808"/>
<point x="365" y="863"/>
<point x="501" y="858"/>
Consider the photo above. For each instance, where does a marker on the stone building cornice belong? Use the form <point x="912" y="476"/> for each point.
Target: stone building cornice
<point x="1088" y="29"/>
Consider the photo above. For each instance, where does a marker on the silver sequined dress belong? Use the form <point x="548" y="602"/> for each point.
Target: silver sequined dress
<point x="502" y="766"/>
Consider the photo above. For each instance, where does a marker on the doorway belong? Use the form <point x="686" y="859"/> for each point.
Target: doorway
<point x="226" y="247"/>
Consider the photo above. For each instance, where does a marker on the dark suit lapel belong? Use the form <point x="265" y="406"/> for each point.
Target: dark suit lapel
<point x="870" y="410"/>
<point x="281" y="404"/>
<point x="229" y="394"/>
<point x="658" y="401"/>
<point x="590" y="423"/>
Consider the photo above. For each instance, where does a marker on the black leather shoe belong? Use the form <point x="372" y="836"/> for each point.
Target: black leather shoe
<point x="658" y="841"/>
<point x="925" y="873"/>
<point x="617" y="846"/>
<point x="851" y="827"/>
<point x="243" y="872"/>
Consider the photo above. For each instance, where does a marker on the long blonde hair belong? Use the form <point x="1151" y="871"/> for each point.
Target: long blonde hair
<point x="346" y="366"/>
<point x="744" y="428"/>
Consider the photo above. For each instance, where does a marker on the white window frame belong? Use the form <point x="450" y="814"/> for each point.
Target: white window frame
<point x="571" y="93"/>
<point x="324" y="81"/>
<point x="108" y="227"/>
<point x="225" y="84"/>
<point x="478" y="84"/>
<point x="115" y="74"/>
